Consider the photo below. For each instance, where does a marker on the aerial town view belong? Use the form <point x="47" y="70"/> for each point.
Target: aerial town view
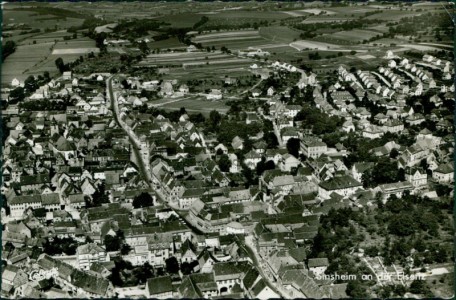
<point x="216" y="149"/>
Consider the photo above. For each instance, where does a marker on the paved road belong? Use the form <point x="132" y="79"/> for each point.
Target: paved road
<point x="277" y="133"/>
<point x="143" y="159"/>
<point x="259" y="262"/>
<point x="142" y="165"/>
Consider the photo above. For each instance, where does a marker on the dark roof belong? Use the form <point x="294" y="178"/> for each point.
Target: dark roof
<point x="159" y="285"/>
<point x="250" y="278"/>
<point x="298" y="253"/>
<point x="258" y="287"/>
<point x="35" y="179"/>
<point x="317" y="262"/>
<point x="188" y="290"/>
<point x="89" y="283"/>
<point x="340" y="182"/>
<point x="52" y="198"/>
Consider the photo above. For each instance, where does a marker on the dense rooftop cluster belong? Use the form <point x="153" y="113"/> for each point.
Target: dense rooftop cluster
<point x="110" y="192"/>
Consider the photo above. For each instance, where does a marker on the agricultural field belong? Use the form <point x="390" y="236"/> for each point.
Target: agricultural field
<point x="247" y="15"/>
<point x="387" y="42"/>
<point x="51" y="36"/>
<point x="194" y="103"/>
<point x="228" y="36"/>
<point x="181" y="20"/>
<point x="194" y="59"/>
<point x="78" y="47"/>
<point x="197" y="105"/>
<point x="347" y="37"/>
<point x="30" y="18"/>
<point x="379" y="28"/>
<point x="233" y="40"/>
<point x="314" y="45"/>
<point x="171" y="43"/>
<point x="279" y="34"/>
<point x="23" y="62"/>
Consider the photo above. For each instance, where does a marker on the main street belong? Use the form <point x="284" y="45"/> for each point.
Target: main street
<point x="141" y="153"/>
<point x="142" y="165"/>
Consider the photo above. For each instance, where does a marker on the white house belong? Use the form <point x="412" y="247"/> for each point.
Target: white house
<point x="15" y="82"/>
<point x="416" y="177"/>
<point x="90" y="253"/>
<point x="444" y="173"/>
<point x="66" y="75"/>
<point x="215" y="94"/>
<point x="289" y="162"/>
<point x="235" y="228"/>
<point x="318" y="266"/>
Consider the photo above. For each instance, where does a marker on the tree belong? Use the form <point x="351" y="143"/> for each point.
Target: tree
<point x="224" y="163"/>
<point x="125" y="249"/>
<point x="144" y="272"/>
<point x="143" y="47"/>
<point x="143" y="200"/>
<point x="8" y="48"/>
<point x="197" y="118"/>
<point x="17" y="95"/>
<point x="30" y="84"/>
<point x="99" y="197"/>
<point x="186" y="268"/>
<point x="67" y="246"/>
<point x="214" y="120"/>
<point x="112" y="243"/>
<point x="293" y="146"/>
<point x="366" y="179"/>
<point x="60" y="65"/>
<point x="355" y="289"/>
<point x="271" y="140"/>
<point x="172" y="265"/>
<point x="8" y="247"/>
<point x="419" y="287"/>
<point x="394" y="153"/>
<point x="403" y="225"/>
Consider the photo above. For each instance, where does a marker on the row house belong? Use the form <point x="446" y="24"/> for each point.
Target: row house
<point x="396" y="188"/>
<point x="19" y="204"/>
